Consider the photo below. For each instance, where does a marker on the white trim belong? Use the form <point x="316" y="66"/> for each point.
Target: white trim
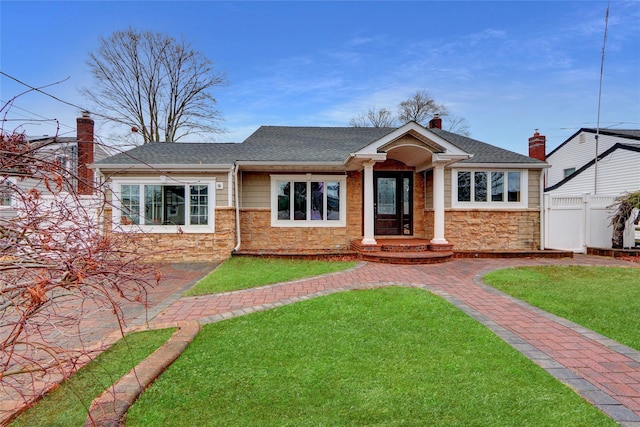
<point x="369" y="216"/>
<point x="308" y="178"/>
<point x="117" y="184"/>
<point x="286" y="163"/>
<point x="505" y="204"/>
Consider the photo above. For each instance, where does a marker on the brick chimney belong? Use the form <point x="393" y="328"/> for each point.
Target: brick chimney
<point x="538" y="146"/>
<point x="85" y="153"/>
<point x="436" y="122"/>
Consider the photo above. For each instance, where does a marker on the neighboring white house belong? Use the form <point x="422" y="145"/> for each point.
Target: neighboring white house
<point x="586" y="173"/>
<point x="574" y="169"/>
<point x="70" y="154"/>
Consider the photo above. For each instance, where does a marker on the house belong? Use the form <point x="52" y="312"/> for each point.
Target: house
<point x="574" y="168"/>
<point x="585" y="175"/>
<point x="67" y="156"/>
<point x="326" y="189"/>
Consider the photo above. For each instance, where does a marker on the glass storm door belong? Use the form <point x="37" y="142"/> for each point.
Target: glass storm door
<point x="393" y="204"/>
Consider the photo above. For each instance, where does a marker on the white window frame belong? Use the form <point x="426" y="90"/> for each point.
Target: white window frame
<point x="117" y="184"/>
<point x="568" y="172"/>
<point x="309" y="178"/>
<point x="9" y="181"/>
<point x="489" y="204"/>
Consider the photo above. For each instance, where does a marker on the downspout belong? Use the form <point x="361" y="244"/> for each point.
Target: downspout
<point x="542" y="209"/>
<point x="237" y="203"/>
<point x="101" y="220"/>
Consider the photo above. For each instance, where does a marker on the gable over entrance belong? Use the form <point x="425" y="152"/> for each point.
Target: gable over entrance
<point x="418" y="148"/>
<point x="412" y="145"/>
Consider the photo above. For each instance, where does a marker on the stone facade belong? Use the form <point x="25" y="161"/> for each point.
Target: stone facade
<point x="257" y="234"/>
<point x="191" y="247"/>
<point x="489" y="229"/>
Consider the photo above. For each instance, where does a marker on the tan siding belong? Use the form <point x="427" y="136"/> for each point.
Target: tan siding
<point x="222" y="195"/>
<point x="428" y="198"/>
<point x="534" y="188"/>
<point x="255" y="190"/>
<point x="447" y="188"/>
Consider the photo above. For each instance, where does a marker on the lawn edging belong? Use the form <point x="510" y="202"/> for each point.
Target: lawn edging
<point x="110" y="408"/>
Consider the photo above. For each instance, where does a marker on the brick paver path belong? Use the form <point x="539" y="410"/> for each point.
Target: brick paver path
<point x="604" y="372"/>
<point x="100" y="328"/>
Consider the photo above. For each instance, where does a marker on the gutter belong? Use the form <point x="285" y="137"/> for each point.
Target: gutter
<point x="503" y="165"/>
<point x="159" y="168"/>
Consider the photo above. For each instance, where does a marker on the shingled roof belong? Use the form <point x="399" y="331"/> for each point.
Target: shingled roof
<point x="297" y="144"/>
<point x="483" y="152"/>
<point x="163" y="153"/>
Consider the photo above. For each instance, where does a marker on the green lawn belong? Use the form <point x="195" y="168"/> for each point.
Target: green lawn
<point x="384" y="357"/>
<point x="604" y="299"/>
<point x="68" y="404"/>
<point x="246" y="272"/>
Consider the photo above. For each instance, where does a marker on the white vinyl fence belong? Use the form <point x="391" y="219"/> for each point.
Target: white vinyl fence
<point x="575" y="222"/>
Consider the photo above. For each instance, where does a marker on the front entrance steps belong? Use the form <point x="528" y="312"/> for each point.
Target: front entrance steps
<point x="403" y="251"/>
<point x="399" y="250"/>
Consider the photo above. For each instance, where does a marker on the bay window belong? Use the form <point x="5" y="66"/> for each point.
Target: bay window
<point x="308" y="200"/>
<point x="158" y="205"/>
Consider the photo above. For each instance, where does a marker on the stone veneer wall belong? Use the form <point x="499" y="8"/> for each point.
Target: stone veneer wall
<point x="257" y="234"/>
<point x="489" y="229"/>
<point x="191" y="247"/>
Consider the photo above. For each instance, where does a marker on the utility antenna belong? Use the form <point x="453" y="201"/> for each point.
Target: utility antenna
<point x="604" y="42"/>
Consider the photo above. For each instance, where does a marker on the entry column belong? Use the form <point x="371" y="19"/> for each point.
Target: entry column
<point x="368" y="204"/>
<point x="438" y="205"/>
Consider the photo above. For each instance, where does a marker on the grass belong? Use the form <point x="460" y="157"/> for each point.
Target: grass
<point x="604" y="299"/>
<point x="68" y="404"/>
<point x="246" y="272"/>
<point x="392" y="356"/>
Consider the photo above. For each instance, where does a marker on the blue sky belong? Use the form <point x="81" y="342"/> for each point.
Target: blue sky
<point x="507" y="67"/>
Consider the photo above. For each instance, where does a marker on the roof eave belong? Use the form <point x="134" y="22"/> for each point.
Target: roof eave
<point x="162" y="167"/>
<point x="275" y="165"/>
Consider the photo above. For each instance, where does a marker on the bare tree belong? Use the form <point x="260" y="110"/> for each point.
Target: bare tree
<point x="374" y="118"/>
<point x="457" y="125"/>
<point x="420" y="108"/>
<point x="155" y="84"/>
<point x="57" y="269"/>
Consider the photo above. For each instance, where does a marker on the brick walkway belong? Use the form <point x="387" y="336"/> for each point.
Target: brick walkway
<point x="100" y="328"/>
<point x="604" y="372"/>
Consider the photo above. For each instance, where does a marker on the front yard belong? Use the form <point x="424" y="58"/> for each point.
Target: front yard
<point x="391" y="356"/>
